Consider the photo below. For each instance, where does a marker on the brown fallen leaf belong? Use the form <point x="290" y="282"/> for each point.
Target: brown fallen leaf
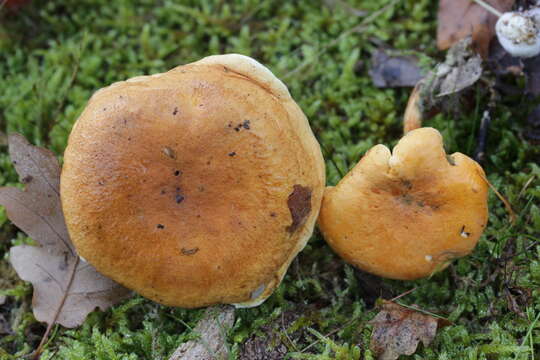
<point x="36" y="210"/>
<point x="66" y="288"/>
<point x="457" y="19"/>
<point x="398" y="330"/>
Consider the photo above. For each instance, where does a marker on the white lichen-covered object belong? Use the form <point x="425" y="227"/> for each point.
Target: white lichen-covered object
<point x="518" y="32"/>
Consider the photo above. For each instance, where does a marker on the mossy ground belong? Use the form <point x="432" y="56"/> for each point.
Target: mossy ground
<point x="55" y="54"/>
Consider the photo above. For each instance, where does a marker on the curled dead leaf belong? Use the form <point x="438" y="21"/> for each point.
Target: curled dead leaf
<point x="440" y="89"/>
<point x="66" y="289"/>
<point x="398" y="330"/>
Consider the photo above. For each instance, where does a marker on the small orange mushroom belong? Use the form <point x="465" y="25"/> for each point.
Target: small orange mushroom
<point x="406" y="214"/>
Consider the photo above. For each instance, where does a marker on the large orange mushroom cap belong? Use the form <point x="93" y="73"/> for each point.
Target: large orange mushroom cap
<point x="405" y="214"/>
<point x="194" y="187"/>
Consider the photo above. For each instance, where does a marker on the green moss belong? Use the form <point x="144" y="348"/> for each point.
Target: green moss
<point x="55" y="54"/>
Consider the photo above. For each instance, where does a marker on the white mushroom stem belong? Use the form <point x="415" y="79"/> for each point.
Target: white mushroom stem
<point x="518" y="33"/>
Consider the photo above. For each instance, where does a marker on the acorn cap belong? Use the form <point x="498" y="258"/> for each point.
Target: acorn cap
<point x="193" y="187"/>
<point x="405" y="214"/>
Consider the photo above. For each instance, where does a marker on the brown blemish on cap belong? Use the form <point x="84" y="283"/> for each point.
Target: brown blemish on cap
<point x="299" y="203"/>
<point x="189" y="252"/>
<point x="169" y="152"/>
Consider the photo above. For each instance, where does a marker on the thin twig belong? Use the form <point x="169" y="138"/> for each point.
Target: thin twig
<point x="526" y="186"/>
<point x="328" y="334"/>
<point x="488" y="7"/>
<point x="39" y="349"/>
<point x="529" y="332"/>
<point x="480" y="152"/>
<point x="404" y="294"/>
<point x="506" y="203"/>
<point x="329" y="156"/>
<point x="425" y="312"/>
<point x="285" y="332"/>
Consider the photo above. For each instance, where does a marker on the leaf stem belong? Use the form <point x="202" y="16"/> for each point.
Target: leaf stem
<point x="39" y="349"/>
<point x="488" y="7"/>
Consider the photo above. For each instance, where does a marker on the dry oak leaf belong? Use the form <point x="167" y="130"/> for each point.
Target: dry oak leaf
<point x="398" y="330"/>
<point x="66" y="288"/>
<point x="457" y="19"/>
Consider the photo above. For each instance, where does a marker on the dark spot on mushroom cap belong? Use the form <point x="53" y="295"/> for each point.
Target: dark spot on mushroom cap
<point x="177" y="172"/>
<point x="245" y="124"/>
<point x="407" y="199"/>
<point x="179" y="198"/>
<point x="160" y="226"/>
<point x="299" y="203"/>
<point x="175" y="111"/>
<point x="464" y="233"/>
<point x="189" y="252"/>
<point x="231" y="154"/>
<point x="408" y="185"/>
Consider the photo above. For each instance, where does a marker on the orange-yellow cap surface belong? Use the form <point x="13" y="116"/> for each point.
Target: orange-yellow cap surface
<point x="196" y="186"/>
<point x="405" y="214"/>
